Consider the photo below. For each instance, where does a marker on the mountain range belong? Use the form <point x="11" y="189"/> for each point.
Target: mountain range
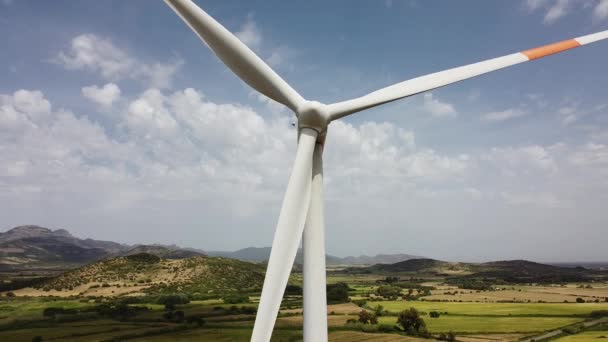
<point x="33" y="246"/>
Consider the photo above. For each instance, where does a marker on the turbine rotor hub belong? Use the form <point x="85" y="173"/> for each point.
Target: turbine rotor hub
<point x="313" y="114"/>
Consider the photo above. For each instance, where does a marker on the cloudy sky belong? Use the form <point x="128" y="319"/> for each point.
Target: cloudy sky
<point x="117" y="123"/>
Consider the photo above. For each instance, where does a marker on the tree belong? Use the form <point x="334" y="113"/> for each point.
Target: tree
<point x="379" y="310"/>
<point x="170" y="301"/>
<point x="580" y="300"/>
<point x="451" y="337"/>
<point x="337" y="293"/>
<point x="388" y="291"/>
<point x="411" y="322"/>
<point x="364" y="316"/>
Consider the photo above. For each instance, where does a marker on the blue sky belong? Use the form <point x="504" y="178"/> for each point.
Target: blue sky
<point x="117" y="123"/>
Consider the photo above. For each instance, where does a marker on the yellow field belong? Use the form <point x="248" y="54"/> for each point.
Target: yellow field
<point x="534" y="296"/>
<point x="498" y="309"/>
<point x="353" y="336"/>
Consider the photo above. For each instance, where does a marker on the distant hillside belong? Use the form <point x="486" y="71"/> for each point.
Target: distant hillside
<point x="146" y="273"/>
<point x="261" y="254"/>
<point x="164" y="252"/>
<point x="39" y="246"/>
<point x="510" y="270"/>
<point x="377" y="259"/>
<point x="428" y="266"/>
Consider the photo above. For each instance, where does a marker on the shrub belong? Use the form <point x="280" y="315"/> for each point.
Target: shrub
<point x="580" y="300"/>
<point x="434" y="314"/>
<point x="236" y="299"/>
<point x="599" y="313"/>
<point x="10" y="294"/>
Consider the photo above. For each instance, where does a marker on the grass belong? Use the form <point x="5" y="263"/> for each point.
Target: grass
<point x="495" y="309"/>
<point x="220" y="335"/>
<point x="596" y="336"/>
<point x="100" y="329"/>
<point x="355" y="336"/>
<point x="488" y="324"/>
<point x="32" y="308"/>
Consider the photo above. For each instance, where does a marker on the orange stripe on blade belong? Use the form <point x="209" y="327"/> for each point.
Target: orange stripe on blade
<point x="551" y="49"/>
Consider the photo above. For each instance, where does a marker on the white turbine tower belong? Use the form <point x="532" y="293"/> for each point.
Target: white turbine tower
<point x="301" y="215"/>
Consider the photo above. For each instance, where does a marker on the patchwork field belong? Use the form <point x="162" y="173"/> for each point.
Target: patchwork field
<point x="209" y="300"/>
<point x="595" y="336"/>
<point x="496" y="309"/>
<point x="485" y="324"/>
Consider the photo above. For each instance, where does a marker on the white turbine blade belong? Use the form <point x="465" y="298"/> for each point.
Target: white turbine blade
<point x="287" y="237"/>
<point x="236" y="55"/>
<point x="442" y="78"/>
<point x="313" y="246"/>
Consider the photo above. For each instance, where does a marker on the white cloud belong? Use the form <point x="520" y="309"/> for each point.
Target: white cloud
<point x="96" y="54"/>
<point x="503" y="115"/>
<point x="556" y="9"/>
<point x="533" y="5"/>
<point x="516" y="161"/>
<point x="474" y="193"/>
<point x="559" y="9"/>
<point x="104" y="96"/>
<point x="249" y="34"/>
<point x="534" y="199"/>
<point x="600" y="12"/>
<point x="438" y="108"/>
<point x="568" y="120"/>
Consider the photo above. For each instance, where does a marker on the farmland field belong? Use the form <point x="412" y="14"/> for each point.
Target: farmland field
<point x="489" y="324"/>
<point x="226" y="314"/>
<point x="587" y="336"/>
<point x="499" y="309"/>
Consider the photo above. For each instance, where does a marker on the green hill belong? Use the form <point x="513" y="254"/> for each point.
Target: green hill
<point x="143" y="273"/>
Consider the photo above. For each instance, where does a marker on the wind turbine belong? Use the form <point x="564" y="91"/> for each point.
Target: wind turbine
<point x="301" y="215"/>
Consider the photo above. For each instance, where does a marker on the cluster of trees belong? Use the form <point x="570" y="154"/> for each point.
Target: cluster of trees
<point x="170" y="301"/>
<point x="337" y="293"/>
<point x="236" y="299"/>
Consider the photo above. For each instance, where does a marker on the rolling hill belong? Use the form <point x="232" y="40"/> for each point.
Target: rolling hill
<point x="508" y="270"/>
<point x="145" y="273"/>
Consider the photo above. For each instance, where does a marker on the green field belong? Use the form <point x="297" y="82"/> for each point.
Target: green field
<point x="480" y="324"/>
<point x="32" y="308"/>
<point x="498" y="309"/>
<point x="596" y="336"/>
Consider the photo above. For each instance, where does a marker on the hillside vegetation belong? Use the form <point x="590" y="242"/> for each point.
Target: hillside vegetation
<point x="144" y="273"/>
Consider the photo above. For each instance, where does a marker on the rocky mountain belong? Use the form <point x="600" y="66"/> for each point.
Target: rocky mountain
<point x="37" y="246"/>
<point x="34" y="247"/>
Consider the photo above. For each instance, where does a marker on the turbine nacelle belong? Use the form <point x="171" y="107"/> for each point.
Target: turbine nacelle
<point x="313" y="115"/>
